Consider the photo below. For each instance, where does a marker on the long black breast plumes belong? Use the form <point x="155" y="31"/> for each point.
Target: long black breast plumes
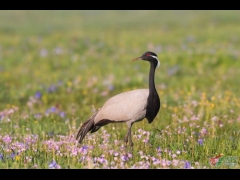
<point x="153" y="101"/>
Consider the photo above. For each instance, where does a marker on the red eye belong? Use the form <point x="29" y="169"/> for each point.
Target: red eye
<point x="148" y="54"/>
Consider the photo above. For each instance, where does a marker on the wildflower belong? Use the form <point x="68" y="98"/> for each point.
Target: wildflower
<point x="200" y="142"/>
<point x="124" y="158"/>
<point x="104" y="93"/>
<point x="116" y="142"/>
<point x="38" y="116"/>
<point x="54" y="165"/>
<point x="153" y="158"/>
<point x="83" y="159"/>
<point x="12" y="155"/>
<point x="38" y="95"/>
<point x="145" y="140"/>
<point x="194" y="103"/>
<point x="51" y="89"/>
<point x="129" y="155"/>
<point x="187" y="165"/>
<point x="102" y="159"/>
<point x="43" y="52"/>
<point x="139" y="136"/>
<point x="28" y="159"/>
<point x="159" y="149"/>
<point x="195" y="118"/>
<point x="175" y="162"/>
<point x="62" y="114"/>
<point x="1" y="157"/>
<point x="203" y="131"/>
<point x="156" y="162"/>
<point x="58" y="50"/>
<point x="7" y="139"/>
<point x="178" y="152"/>
<point x="214" y="118"/>
<point x="110" y="152"/>
<point x="141" y="153"/>
<point x="51" y="110"/>
<point x="17" y="158"/>
<point x="110" y="87"/>
<point x="168" y="163"/>
<point x="84" y="149"/>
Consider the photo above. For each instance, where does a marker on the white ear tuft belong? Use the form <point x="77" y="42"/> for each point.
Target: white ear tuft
<point x="158" y="62"/>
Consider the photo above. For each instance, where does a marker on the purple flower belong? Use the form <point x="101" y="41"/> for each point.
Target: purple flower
<point x="7" y="139"/>
<point x="38" y="115"/>
<point x="85" y="147"/>
<point x="62" y="114"/>
<point x="51" y="110"/>
<point x="53" y="165"/>
<point x="159" y="149"/>
<point x="12" y="155"/>
<point x="38" y="95"/>
<point x="124" y="158"/>
<point x="102" y="160"/>
<point x="187" y="165"/>
<point x="82" y="159"/>
<point x="110" y="87"/>
<point x="200" y="142"/>
<point x="1" y="157"/>
<point x="51" y="89"/>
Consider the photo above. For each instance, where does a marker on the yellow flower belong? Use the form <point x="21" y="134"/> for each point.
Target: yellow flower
<point x="17" y="157"/>
<point x="69" y="83"/>
<point x="212" y="105"/>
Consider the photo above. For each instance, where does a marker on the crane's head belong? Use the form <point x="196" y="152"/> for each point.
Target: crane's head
<point x="149" y="56"/>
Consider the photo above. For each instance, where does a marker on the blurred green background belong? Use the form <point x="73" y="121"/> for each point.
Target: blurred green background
<point x="56" y="66"/>
<point x="82" y="53"/>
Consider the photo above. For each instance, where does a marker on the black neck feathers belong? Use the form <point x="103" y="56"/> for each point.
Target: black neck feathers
<point x="153" y="101"/>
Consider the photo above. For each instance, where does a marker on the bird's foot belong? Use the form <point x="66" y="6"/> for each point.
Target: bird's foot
<point x="126" y="140"/>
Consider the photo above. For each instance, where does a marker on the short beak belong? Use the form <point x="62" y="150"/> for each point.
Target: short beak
<point x="135" y="59"/>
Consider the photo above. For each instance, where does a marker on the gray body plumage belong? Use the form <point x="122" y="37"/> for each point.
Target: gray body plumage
<point x="119" y="108"/>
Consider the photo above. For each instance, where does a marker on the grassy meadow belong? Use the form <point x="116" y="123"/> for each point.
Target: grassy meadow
<point x="58" y="67"/>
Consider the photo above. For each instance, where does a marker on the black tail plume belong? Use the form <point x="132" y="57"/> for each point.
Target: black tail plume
<point x="85" y="128"/>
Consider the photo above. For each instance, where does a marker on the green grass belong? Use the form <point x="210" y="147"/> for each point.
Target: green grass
<point x="79" y="59"/>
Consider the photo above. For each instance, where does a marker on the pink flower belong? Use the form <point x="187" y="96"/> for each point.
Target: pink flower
<point x="7" y="139"/>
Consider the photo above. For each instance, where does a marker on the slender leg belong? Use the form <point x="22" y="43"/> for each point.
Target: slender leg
<point x="130" y="137"/>
<point x="130" y="140"/>
<point x="129" y="134"/>
<point x="126" y="140"/>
